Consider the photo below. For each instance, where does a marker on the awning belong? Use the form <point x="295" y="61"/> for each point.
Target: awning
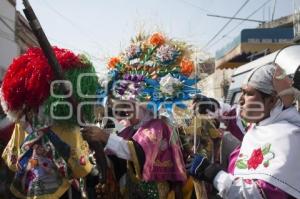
<point x="253" y="43"/>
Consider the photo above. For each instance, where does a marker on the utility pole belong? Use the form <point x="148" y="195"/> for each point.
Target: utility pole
<point x="273" y="13"/>
<point x="296" y="21"/>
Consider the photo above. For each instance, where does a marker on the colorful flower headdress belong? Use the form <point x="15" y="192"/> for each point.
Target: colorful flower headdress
<point x="153" y="69"/>
<point x="26" y="84"/>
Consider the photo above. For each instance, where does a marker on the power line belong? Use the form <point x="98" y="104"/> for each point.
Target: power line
<point x="91" y="56"/>
<point x="74" y="48"/>
<point x="72" y="23"/>
<point x="5" y="35"/>
<point x="231" y="30"/>
<point x="273" y="13"/>
<point x="253" y="13"/>
<point x="196" y="6"/>
<point x="225" y="25"/>
<point x="236" y="18"/>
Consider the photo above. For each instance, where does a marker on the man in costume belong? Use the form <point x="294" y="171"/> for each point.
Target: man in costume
<point x="266" y="164"/>
<point x="150" y="76"/>
<point x="202" y="135"/>
<point x="46" y="150"/>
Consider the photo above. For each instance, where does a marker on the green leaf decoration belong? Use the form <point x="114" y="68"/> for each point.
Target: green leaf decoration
<point x="241" y="164"/>
<point x="266" y="149"/>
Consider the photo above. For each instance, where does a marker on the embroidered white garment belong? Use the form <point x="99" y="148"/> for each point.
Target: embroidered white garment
<point x="270" y="151"/>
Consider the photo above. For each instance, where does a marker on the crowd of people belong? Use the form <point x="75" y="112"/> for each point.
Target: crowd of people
<point x="144" y="131"/>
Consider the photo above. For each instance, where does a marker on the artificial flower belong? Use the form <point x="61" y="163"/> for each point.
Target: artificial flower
<point x="168" y="84"/>
<point x="133" y="51"/>
<point x="155" y="69"/>
<point x="166" y="54"/>
<point x="186" y="66"/>
<point x="113" y="62"/>
<point x="157" y="39"/>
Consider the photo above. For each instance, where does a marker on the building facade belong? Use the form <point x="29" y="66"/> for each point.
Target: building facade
<point x="216" y="84"/>
<point x="24" y="36"/>
<point x="15" y="34"/>
<point x="9" y="48"/>
<point x="249" y="45"/>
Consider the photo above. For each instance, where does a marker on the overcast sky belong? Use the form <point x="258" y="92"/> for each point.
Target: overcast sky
<point x="102" y="28"/>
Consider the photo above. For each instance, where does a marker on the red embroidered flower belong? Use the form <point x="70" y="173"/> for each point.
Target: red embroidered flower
<point x="255" y="159"/>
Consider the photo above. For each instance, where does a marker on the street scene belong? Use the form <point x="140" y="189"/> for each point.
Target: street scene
<point x="135" y="99"/>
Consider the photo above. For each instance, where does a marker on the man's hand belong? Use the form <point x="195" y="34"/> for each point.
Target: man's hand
<point x="94" y="134"/>
<point x="196" y="164"/>
<point x="200" y="168"/>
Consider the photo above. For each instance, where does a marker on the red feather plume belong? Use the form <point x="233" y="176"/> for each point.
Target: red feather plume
<point x="27" y="80"/>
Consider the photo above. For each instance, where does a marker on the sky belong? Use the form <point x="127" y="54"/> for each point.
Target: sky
<point x="103" y="28"/>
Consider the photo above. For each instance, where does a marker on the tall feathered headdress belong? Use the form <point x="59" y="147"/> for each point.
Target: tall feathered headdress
<point x="154" y="69"/>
